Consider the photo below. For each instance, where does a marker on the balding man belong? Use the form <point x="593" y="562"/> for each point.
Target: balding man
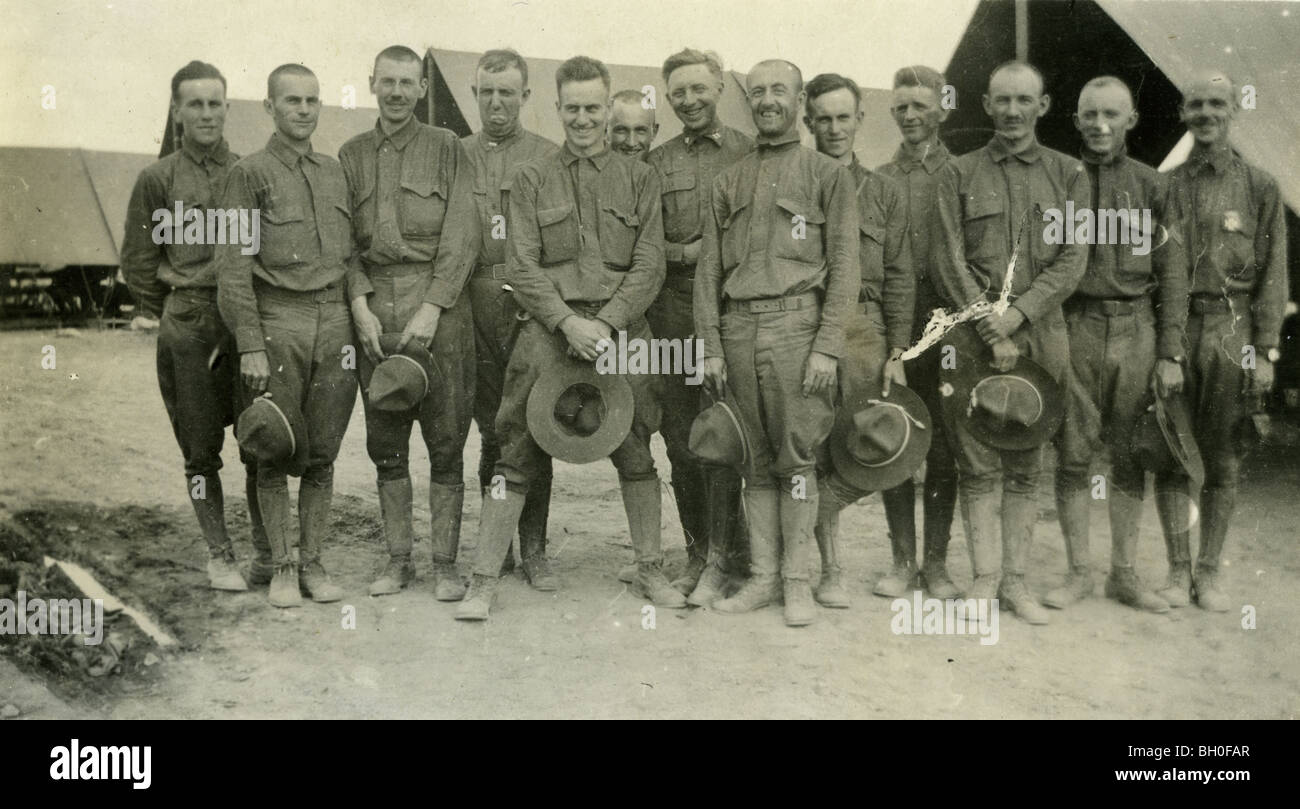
<point x="1228" y="236"/>
<point x="409" y="191"/>
<point x="917" y="109"/>
<point x="687" y="165"/>
<point x="286" y="306"/>
<point x="876" y="333"/>
<point x="495" y="154"/>
<point x="777" y="277"/>
<point x="632" y="126"/>
<point x="990" y="201"/>
<point x="1125" y="323"/>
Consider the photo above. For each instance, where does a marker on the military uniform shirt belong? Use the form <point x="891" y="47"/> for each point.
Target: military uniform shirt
<point x="494" y="165"/>
<point x="885" y="252"/>
<point x="687" y="165"/>
<point x="919" y="179"/>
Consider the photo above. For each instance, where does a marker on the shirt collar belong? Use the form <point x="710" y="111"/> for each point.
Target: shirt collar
<point x="220" y="154"/>
<point x="400" y="138"/>
<point x="933" y="160"/>
<point x="715" y="135"/>
<point x="286" y="153"/>
<point x="1216" y="158"/>
<point x="772" y="142"/>
<point x="568" y="158"/>
<point x="508" y="139"/>
<point x="1109" y="160"/>
<point x="998" y="151"/>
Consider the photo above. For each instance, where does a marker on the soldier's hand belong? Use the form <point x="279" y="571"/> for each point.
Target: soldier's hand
<point x="255" y="370"/>
<point x="585" y="336"/>
<point x="421" y="327"/>
<point x="893" y="373"/>
<point x="368" y="329"/>
<point x="1005" y="355"/>
<point x="819" y="373"/>
<point x="691" y="252"/>
<point x="994" y="328"/>
<point x="1259" y="380"/>
<point x="714" y="371"/>
<point x="1166" y="378"/>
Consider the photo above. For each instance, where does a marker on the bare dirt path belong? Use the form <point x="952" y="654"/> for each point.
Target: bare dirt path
<point x="90" y="441"/>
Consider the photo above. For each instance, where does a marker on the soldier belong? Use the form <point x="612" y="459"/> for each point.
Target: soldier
<point x="1228" y="235"/>
<point x="585" y="257"/>
<point x="990" y="202"/>
<point x="687" y="165"/>
<point x="777" y="277"/>
<point x="632" y="126"/>
<point x="1125" y="325"/>
<point x="918" y="111"/>
<point x="496" y="152"/>
<point x="879" y="328"/>
<point x="412" y="210"/>
<point x="177" y="284"/>
<point x="286" y="306"/>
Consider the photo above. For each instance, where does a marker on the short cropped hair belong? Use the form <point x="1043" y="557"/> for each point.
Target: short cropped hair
<point x="397" y="53"/>
<point x="499" y="59"/>
<point x="290" y="69"/>
<point x="920" y="76"/>
<point x="691" y="56"/>
<point x="581" y="68"/>
<point x="196" y="70"/>
<point x="1020" y="64"/>
<point x="798" y="74"/>
<point x="1108" y="81"/>
<point x="628" y="96"/>
<point x="824" y="83"/>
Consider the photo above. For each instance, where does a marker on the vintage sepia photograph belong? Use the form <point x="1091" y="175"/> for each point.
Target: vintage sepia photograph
<point x="549" y="359"/>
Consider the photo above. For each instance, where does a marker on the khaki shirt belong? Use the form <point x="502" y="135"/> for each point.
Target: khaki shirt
<point x="585" y="229"/>
<point x="885" y="252"/>
<point x="494" y="166"/>
<point x="196" y="181"/>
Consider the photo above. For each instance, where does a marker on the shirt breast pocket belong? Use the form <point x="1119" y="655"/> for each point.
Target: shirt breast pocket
<point x="681" y="204"/>
<point x="1237" y="237"/>
<point x="423" y="207"/>
<point x="183" y="255"/>
<point x="284" y="235"/>
<point x="799" y="236"/>
<point x="872" y="249"/>
<point x="982" y="222"/>
<point x="559" y="232"/>
<point x="735" y="236"/>
<point x="618" y="232"/>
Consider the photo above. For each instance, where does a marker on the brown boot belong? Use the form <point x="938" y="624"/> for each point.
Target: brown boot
<point x="627" y="573"/>
<point x="1019" y="513"/>
<point x="900" y="516"/>
<point x="1124" y="586"/>
<point x="1209" y="595"/>
<point x="313" y="519"/>
<point x="1072" y="504"/>
<point x="395" y="511"/>
<point x="764" y="585"/>
<point x="1016" y="597"/>
<point x="641" y="501"/>
<point x="1217" y="505"/>
<point x="829" y="591"/>
<point x="210" y="509"/>
<point x="1173" y="506"/>
<point x="979" y="515"/>
<point x="1177" y="591"/>
<point x="799" y="607"/>
<point x="445" y="506"/>
<point x="478" y="599"/>
<point x="260" y="570"/>
<point x="283" y="591"/>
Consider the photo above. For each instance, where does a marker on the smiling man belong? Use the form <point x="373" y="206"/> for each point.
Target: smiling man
<point x="917" y="109"/>
<point x="412" y="210"/>
<point x="875" y="334"/>
<point x="1228" y="236"/>
<point x="989" y="202"/>
<point x="778" y="275"/>
<point x="708" y="501"/>
<point x="177" y="283"/>
<point x="585" y="258"/>
<point x="287" y="308"/>
<point x="1125" y="324"/>
<point x="632" y="126"/>
<point x="495" y="154"/>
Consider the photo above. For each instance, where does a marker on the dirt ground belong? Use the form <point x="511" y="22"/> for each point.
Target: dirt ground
<point x="88" y="465"/>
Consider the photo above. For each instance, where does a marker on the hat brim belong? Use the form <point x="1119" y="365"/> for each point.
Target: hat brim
<point x="413" y="350"/>
<point x="727" y="404"/>
<point x="296" y="462"/>
<point x="972" y="366"/>
<point x="557" y="441"/>
<point x="1175" y="420"/>
<point x="880" y="478"/>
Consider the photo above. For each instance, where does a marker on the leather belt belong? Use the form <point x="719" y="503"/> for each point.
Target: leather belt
<point x="1212" y="304"/>
<point x="490" y="272"/>
<point x="680" y="283"/>
<point x="1109" y="307"/>
<point x="789" y="303"/>
<point x="330" y="294"/>
<point x="195" y="294"/>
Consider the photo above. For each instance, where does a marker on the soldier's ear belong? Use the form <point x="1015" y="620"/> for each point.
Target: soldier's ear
<point x="524" y="96"/>
<point x="473" y="89"/>
<point x="1078" y="122"/>
<point x="269" y="106"/>
<point x="424" y="86"/>
<point x="988" y="105"/>
<point x="1044" y="104"/>
<point x="1133" y="119"/>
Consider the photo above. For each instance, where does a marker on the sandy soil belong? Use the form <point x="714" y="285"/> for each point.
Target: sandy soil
<point x="87" y="455"/>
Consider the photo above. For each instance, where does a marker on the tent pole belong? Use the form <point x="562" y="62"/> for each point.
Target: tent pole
<point x="1022" y="30"/>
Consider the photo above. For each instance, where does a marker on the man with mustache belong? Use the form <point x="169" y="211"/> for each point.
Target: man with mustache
<point x="585" y="258"/>
<point x="778" y="275"/>
<point x="708" y="501"/>
<point x="412" y="211"/>
<point x="1125" y="324"/>
<point x="177" y="284"/>
<point x="632" y="126"/>
<point x="879" y="328"/>
<point x="287" y="308"/>
<point x="990" y="201"/>
<point x="918" y="111"/>
<point x="1228" y="236"/>
<point x="495" y="153"/>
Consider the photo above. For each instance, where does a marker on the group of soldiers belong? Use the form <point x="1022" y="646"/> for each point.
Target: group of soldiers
<point x="491" y="260"/>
